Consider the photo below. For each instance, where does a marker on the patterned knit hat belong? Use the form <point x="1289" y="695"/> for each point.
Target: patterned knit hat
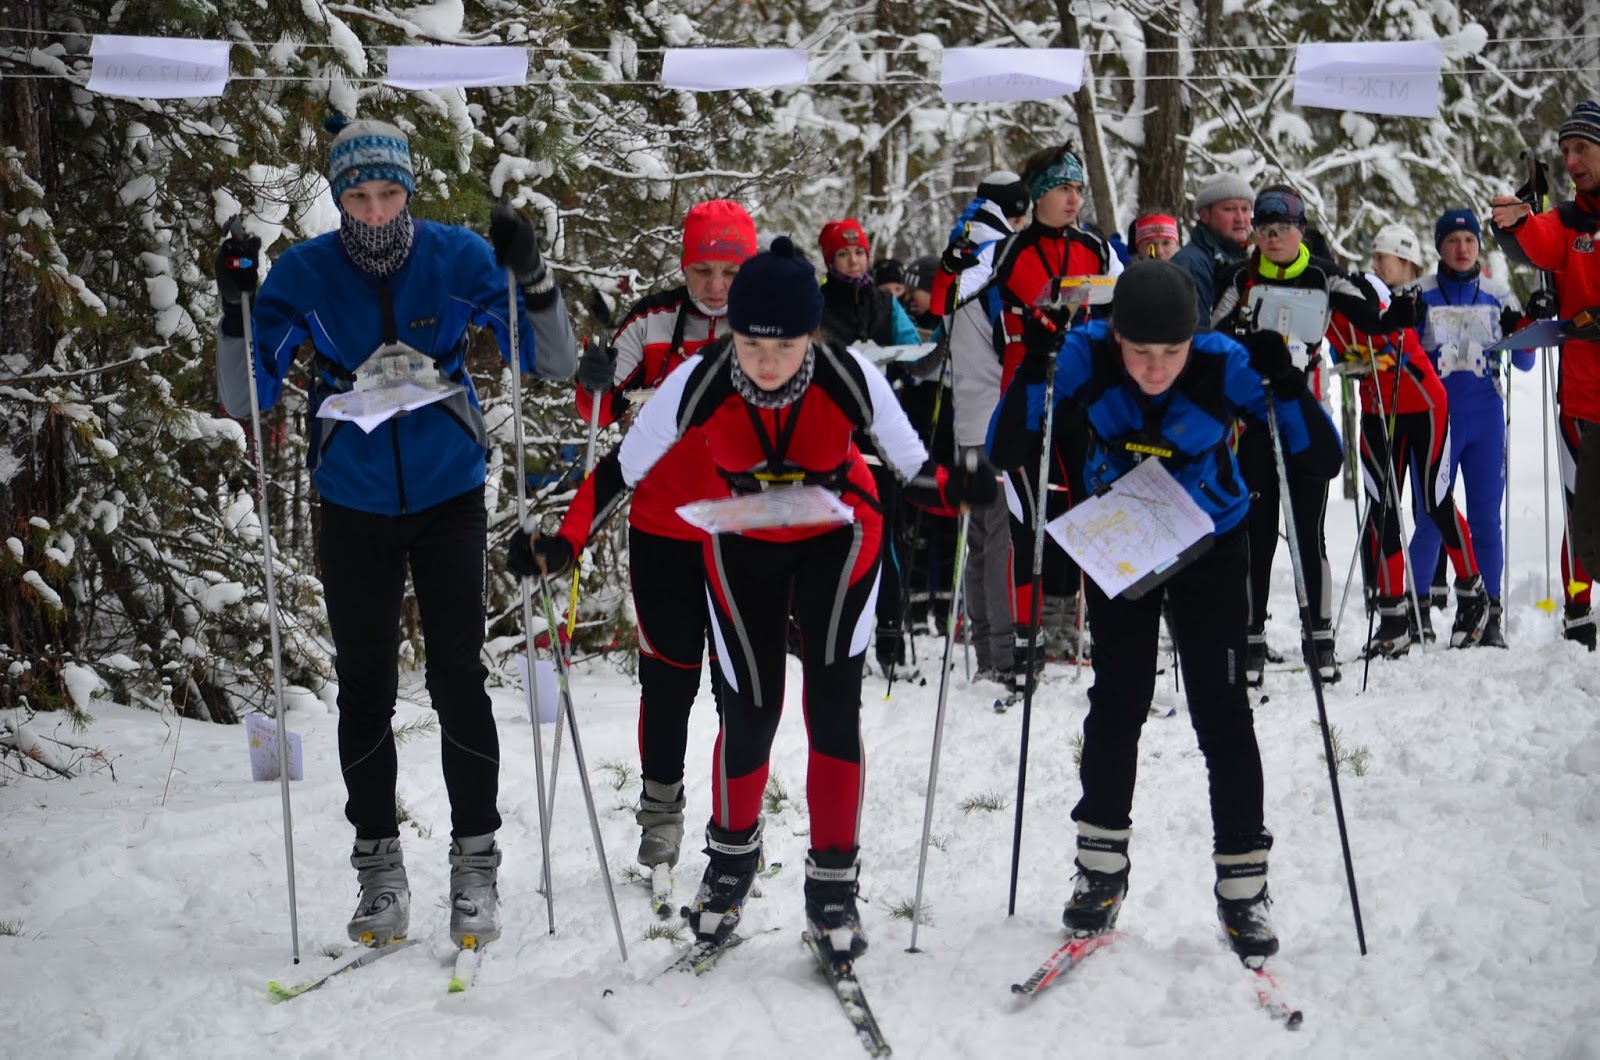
<point x="1064" y="170"/>
<point x="1154" y="226"/>
<point x="836" y="235"/>
<point x="775" y="295"/>
<point x="367" y="150"/>
<point x="1279" y="204"/>
<point x="1584" y="123"/>
<point x="718" y="230"/>
<point x="1456" y="221"/>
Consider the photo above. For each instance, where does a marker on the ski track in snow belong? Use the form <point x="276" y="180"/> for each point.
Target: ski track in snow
<point x="151" y="928"/>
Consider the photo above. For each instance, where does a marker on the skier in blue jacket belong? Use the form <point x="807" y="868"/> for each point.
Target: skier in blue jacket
<point x="1149" y="387"/>
<point x="1465" y="312"/>
<point x="389" y="295"/>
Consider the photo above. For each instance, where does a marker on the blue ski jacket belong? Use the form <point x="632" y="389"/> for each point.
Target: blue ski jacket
<point x="448" y="285"/>
<point x="1189" y="428"/>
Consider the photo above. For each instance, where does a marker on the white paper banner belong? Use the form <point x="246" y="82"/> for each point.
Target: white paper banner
<point x="972" y="74"/>
<point x="158" y="67"/>
<point x="451" y="66"/>
<point x="1387" y="77"/>
<point x="713" y="69"/>
<point x="262" y="732"/>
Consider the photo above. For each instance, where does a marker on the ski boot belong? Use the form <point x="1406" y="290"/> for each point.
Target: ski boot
<point x="474" y="893"/>
<point x="1101" y="881"/>
<point x="1019" y="659"/>
<point x="383" y="909"/>
<point x="889" y="648"/>
<point x="660" y="817"/>
<point x="1494" y="635"/>
<point x="1243" y="906"/>
<point x="1422" y="632"/>
<point x="1255" y="657"/>
<point x="1472" y="611"/>
<point x="735" y="858"/>
<point x="1322" y="655"/>
<point x="1058" y="632"/>
<point x="1392" y="638"/>
<point x="1578" y="625"/>
<point x="831" y="887"/>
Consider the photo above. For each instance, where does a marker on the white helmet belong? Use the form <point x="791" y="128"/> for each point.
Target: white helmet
<point x="1401" y="241"/>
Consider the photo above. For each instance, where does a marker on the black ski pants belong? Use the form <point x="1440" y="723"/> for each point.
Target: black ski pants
<point x="364" y="561"/>
<point x="674" y="622"/>
<point x="1308" y="499"/>
<point x="1208" y="622"/>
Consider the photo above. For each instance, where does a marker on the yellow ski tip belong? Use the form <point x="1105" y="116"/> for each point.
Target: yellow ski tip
<point x="457" y="986"/>
<point x="1547" y="605"/>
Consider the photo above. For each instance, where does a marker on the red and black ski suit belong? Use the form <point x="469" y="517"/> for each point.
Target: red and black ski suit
<point x="1032" y="264"/>
<point x="1404" y="413"/>
<point x="825" y="576"/>
<point x="665" y="569"/>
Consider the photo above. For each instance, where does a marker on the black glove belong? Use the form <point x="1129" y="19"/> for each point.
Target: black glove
<point x="1543" y="305"/>
<point x="597" y="366"/>
<point x="1269" y="358"/>
<point x="1510" y="321"/>
<point x="1535" y="191"/>
<point x="1405" y="311"/>
<point x="238" y="271"/>
<point x="516" y="247"/>
<point x="959" y="256"/>
<point x="972" y="482"/>
<point x="1585" y="325"/>
<point x="526" y="554"/>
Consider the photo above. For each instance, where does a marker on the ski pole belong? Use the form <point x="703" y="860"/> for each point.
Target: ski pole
<point x="1505" y="488"/>
<point x="1549" y="602"/>
<point x="1391" y="504"/>
<point x="236" y="230"/>
<point x="1304" y="603"/>
<point x="563" y="675"/>
<point x="527" y="593"/>
<point x="938" y="717"/>
<point x="602" y="314"/>
<point x="1032" y="679"/>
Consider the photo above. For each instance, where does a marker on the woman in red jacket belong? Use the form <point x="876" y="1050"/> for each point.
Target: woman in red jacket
<point x="664" y="564"/>
<point x="777" y="409"/>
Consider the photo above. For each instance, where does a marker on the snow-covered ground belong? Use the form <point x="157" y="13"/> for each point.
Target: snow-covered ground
<point x="149" y="907"/>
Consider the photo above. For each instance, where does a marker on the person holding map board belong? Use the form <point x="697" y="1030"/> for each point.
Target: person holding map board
<point x="778" y="408"/>
<point x="1150" y="388"/>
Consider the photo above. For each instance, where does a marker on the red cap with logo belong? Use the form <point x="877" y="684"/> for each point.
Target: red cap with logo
<point x="836" y="235"/>
<point x="718" y="230"/>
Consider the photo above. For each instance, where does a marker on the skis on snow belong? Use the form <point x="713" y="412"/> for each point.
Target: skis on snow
<point x="361" y="957"/>
<point x="1066" y="957"/>
<point x="703" y="954"/>
<point x="466" y="970"/>
<point x="661" y="885"/>
<point x="1072" y="953"/>
<point x="847" y="988"/>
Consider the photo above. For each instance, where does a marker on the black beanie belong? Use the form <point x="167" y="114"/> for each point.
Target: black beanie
<point x="775" y="295"/>
<point x="1154" y="302"/>
<point x="888" y="270"/>
<point x="1006" y="190"/>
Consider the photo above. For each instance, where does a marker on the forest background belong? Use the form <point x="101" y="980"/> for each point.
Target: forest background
<point x="131" y="565"/>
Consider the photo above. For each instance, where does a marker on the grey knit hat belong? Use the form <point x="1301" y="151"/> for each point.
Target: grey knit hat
<point x="1222" y="187"/>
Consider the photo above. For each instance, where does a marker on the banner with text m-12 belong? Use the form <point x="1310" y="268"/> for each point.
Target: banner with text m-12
<point x="1385" y="77"/>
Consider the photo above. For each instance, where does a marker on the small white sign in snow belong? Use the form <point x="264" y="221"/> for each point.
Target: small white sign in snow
<point x="262" y="732"/>
<point x="1383" y="77"/>
<point x="546" y="688"/>
<point x="158" y="67"/>
<point x="970" y="75"/>
<point x="456" y="66"/>
<point x="717" y="69"/>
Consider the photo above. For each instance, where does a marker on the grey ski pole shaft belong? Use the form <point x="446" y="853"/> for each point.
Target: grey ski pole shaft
<point x="269" y="566"/>
<point x="563" y="675"/>
<point x="527" y="596"/>
<point x="1032" y="678"/>
<point x="572" y="605"/>
<point x="938" y="719"/>
<point x="1286" y="503"/>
